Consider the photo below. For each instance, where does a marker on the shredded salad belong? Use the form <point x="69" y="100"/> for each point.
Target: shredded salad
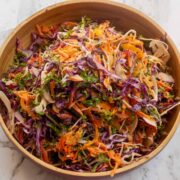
<point x="86" y="97"/>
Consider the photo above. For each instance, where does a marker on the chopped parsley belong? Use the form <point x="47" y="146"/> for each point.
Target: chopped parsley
<point x="85" y="21"/>
<point x="89" y="78"/>
<point x="22" y="79"/>
<point x="92" y="102"/>
<point x="107" y="116"/>
<point x="68" y="34"/>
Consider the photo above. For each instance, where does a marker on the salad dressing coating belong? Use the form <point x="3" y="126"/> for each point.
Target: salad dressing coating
<point x="86" y="97"/>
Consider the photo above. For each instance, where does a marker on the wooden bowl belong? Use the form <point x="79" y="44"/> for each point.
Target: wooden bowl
<point x="123" y="18"/>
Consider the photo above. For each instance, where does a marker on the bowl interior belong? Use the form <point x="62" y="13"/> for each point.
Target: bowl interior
<point x="120" y="16"/>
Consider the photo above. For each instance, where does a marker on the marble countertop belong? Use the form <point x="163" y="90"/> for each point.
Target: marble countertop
<point x="165" y="166"/>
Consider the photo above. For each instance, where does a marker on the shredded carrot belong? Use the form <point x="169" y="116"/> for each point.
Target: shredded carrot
<point x="52" y="86"/>
<point x="44" y="153"/>
<point x="77" y="109"/>
<point x="141" y="114"/>
<point x="69" y="24"/>
<point x="104" y="106"/>
<point x="45" y="30"/>
<point x="20" y="135"/>
<point x="134" y="49"/>
<point x="94" y="151"/>
<point x="162" y="84"/>
<point x="25" y="100"/>
<point x="116" y="157"/>
<point x="127" y="55"/>
<point x="67" y="53"/>
<point x="36" y="59"/>
<point x="67" y="142"/>
<point x="107" y="83"/>
<point x="111" y="101"/>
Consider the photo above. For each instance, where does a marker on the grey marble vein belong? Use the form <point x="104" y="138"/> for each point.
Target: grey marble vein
<point x="18" y="165"/>
<point x="7" y="144"/>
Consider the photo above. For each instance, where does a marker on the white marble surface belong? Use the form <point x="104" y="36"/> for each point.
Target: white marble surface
<point x="166" y="166"/>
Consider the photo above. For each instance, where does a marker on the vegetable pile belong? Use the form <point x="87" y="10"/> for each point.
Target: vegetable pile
<point x="86" y="97"/>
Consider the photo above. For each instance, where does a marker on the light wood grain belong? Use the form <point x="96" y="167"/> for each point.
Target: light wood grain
<point x="123" y="18"/>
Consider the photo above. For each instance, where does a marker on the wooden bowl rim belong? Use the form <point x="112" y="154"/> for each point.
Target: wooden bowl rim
<point x="89" y="174"/>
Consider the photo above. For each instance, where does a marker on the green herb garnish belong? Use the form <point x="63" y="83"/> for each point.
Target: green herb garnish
<point x="89" y="78"/>
<point x="107" y="115"/>
<point x="54" y="128"/>
<point x="85" y="21"/>
<point x="92" y="102"/>
<point x="22" y="79"/>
